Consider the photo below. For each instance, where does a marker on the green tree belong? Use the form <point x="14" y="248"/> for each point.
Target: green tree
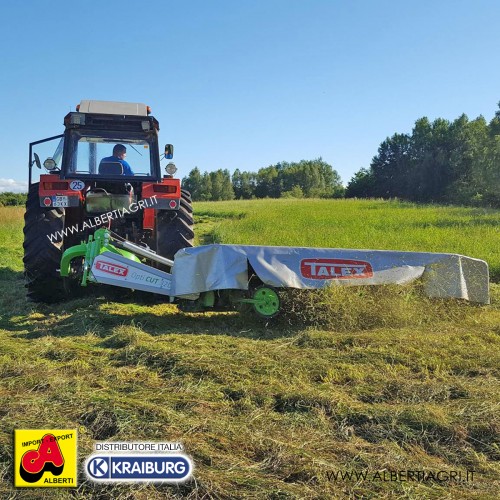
<point x="471" y="146"/>
<point x="206" y="187"/>
<point x="361" y="185"/>
<point x="194" y="183"/>
<point x="268" y="183"/>
<point x="455" y="161"/>
<point x="315" y="178"/>
<point x="8" y="199"/>
<point x="391" y="166"/>
<point x="221" y="186"/>
<point x="435" y="172"/>
<point x="244" y="184"/>
<point x="494" y="124"/>
<point x="295" y="192"/>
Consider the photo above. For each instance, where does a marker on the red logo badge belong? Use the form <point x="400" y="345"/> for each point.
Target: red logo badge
<point x="111" y="268"/>
<point x="48" y="457"/>
<point x="335" y="269"/>
<point x="47" y="201"/>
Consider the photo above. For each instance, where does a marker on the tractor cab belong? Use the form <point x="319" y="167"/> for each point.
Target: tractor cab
<point x="109" y="140"/>
<point x="109" y="152"/>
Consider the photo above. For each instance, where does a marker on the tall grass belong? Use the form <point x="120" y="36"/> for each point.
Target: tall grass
<point x="11" y="239"/>
<point x="359" y="224"/>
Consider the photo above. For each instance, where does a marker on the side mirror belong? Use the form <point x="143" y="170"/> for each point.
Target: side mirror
<point x="37" y="161"/>
<point x="169" y="151"/>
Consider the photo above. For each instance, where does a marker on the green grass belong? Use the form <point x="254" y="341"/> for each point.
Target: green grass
<point x="362" y="224"/>
<point x="377" y="379"/>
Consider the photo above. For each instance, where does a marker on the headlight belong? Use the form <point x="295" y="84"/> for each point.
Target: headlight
<point x="171" y="168"/>
<point x="49" y="164"/>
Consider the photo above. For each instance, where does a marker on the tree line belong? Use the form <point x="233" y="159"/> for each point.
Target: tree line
<point x="8" y="199"/>
<point x="441" y="161"/>
<point x="303" y="179"/>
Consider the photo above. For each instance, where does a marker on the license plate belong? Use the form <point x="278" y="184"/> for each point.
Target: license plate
<point x="60" y="201"/>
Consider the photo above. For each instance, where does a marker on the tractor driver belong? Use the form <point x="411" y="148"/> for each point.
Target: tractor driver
<point x="119" y="153"/>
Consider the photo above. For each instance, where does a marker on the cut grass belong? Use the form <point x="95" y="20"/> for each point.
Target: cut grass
<point x="355" y="379"/>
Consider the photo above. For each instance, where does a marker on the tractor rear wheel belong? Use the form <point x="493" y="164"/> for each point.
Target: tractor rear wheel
<point x="186" y="195"/>
<point x="174" y="229"/>
<point x="42" y="249"/>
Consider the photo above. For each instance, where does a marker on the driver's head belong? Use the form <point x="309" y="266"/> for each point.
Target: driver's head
<point x="119" y="151"/>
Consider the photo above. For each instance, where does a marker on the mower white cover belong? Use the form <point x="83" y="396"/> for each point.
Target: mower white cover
<point x="219" y="267"/>
<point x="113" y="269"/>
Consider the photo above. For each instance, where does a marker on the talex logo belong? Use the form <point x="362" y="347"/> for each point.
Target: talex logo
<point x="110" y="268"/>
<point x="48" y="457"/>
<point x="329" y="269"/>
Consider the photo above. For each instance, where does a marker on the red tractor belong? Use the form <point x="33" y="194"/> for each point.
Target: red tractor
<point x="89" y="184"/>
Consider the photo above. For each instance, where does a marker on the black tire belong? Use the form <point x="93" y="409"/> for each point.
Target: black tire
<point x="186" y="208"/>
<point x="186" y="195"/>
<point x="174" y="229"/>
<point x="186" y="204"/>
<point x="42" y="256"/>
<point x="186" y="216"/>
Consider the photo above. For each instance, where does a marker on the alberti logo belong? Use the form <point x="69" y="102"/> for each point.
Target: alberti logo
<point x="329" y="269"/>
<point x="45" y="458"/>
<point x="110" y="268"/>
<point x="48" y="457"/>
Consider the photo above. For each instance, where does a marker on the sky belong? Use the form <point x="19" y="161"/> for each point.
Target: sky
<point x="247" y="84"/>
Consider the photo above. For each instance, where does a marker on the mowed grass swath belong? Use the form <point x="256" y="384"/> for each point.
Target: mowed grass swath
<point x="354" y="379"/>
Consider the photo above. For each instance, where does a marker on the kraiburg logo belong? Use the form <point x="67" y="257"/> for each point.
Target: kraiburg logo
<point x="111" y="268"/>
<point x="329" y="269"/>
<point x="147" y="467"/>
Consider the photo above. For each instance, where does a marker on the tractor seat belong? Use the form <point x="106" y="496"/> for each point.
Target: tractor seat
<point x="110" y="168"/>
<point x="114" y="187"/>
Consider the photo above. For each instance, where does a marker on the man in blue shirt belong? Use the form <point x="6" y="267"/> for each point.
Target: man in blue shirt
<point x="119" y="153"/>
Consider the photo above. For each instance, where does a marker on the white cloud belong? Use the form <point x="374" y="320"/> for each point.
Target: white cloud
<point x="13" y="186"/>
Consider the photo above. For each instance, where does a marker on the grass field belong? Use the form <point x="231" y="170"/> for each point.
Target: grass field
<point x="374" y="380"/>
<point x="377" y="225"/>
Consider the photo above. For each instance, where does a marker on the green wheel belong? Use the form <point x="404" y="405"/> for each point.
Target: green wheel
<point x="266" y="302"/>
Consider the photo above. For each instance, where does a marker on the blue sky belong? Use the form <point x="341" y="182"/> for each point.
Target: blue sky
<point x="246" y="84"/>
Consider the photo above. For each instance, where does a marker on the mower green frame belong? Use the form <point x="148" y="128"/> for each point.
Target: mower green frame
<point x="96" y="244"/>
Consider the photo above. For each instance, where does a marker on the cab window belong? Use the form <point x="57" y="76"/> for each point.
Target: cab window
<point x="91" y="152"/>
